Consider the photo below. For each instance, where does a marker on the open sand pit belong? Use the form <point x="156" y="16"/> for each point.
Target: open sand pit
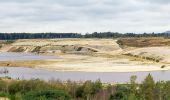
<point x="89" y="55"/>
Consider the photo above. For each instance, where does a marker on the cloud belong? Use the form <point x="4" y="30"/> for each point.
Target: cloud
<point x="84" y="15"/>
<point x="157" y="1"/>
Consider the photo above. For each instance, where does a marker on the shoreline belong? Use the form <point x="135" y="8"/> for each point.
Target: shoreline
<point x="100" y="71"/>
<point x="103" y="69"/>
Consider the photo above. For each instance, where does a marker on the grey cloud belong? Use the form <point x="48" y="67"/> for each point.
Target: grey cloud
<point x="156" y="1"/>
<point x="73" y="2"/>
<point x="84" y="15"/>
<point x="16" y="1"/>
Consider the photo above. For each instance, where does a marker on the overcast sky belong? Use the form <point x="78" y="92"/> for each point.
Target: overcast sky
<point x="84" y="15"/>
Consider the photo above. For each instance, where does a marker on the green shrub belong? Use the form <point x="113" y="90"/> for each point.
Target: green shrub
<point x="47" y="95"/>
<point x="6" y="95"/>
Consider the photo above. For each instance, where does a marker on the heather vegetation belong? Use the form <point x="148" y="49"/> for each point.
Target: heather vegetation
<point x="36" y="89"/>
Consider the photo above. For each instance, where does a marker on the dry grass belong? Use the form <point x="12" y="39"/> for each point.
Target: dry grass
<point x="144" y="42"/>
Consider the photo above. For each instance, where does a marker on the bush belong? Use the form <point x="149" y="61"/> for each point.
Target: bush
<point x="6" y="95"/>
<point x="47" y="95"/>
<point x="163" y="66"/>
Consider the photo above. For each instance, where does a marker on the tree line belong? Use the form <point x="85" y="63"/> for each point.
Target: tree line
<point x="12" y="36"/>
<point x="36" y="89"/>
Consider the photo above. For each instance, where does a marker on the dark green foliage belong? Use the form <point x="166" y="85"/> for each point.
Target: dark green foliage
<point x="3" y="94"/>
<point x="79" y="92"/>
<point x="119" y="35"/>
<point x="47" y="95"/>
<point x="13" y="36"/>
<point x="122" y="92"/>
<point x="97" y="86"/>
<point x="88" y="89"/>
<point x="25" y="86"/>
<point x="147" y="88"/>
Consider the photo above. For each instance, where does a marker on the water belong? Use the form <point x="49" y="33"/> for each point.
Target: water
<point x="23" y="56"/>
<point x="29" y="73"/>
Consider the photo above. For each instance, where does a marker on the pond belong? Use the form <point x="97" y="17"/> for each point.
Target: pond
<point x="44" y="74"/>
<point x="29" y="73"/>
<point x="23" y="56"/>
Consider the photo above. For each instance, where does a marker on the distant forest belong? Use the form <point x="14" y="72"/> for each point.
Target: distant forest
<point x="12" y="36"/>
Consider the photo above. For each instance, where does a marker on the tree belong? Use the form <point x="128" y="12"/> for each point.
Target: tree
<point x="121" y="93"/>
<point x="133" y="88"/>
<point x="147" y="88"/>
<point x="97" y="86"/>
<point x="133" y="84"/>
<point x="159" y="91"/>
<point x="88" y="89"/>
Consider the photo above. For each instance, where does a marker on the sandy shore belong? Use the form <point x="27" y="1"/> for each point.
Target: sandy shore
<point x="84" y="68"/>
<point x="89" y="64"/>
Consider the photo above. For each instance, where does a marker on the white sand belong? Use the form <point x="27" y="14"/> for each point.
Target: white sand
<point x="100" y="64"/>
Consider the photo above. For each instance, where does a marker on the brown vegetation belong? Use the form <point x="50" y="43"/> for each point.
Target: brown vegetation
<point x="144" y="42"/>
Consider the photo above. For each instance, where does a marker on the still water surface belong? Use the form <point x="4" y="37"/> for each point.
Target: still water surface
<point x="28" y="73"/>
<point x="23" y="56"/>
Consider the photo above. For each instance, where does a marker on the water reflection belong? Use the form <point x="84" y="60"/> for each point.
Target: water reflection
<point x="23" y="56"/>
<point x="28" y="73"/>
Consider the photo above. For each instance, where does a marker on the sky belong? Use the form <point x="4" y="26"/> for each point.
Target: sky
<point x="84" y="16"/>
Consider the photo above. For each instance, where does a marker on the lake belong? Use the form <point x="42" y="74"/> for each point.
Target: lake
<point x="23" y="56"/>
<point x="44" y="74"/>
<point x="29" y="73"/>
